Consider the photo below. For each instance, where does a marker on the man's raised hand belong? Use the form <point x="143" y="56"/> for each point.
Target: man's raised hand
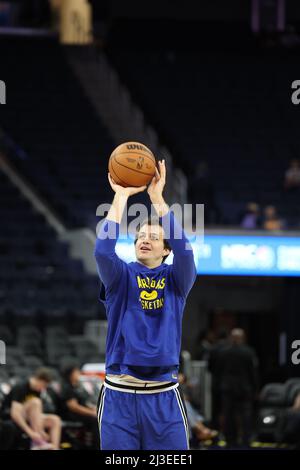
<point x="129" y="191"/>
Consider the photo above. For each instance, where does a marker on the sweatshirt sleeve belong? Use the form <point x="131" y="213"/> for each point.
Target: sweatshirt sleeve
<point x="110" y="266"/>
<point x="183" y="269"/>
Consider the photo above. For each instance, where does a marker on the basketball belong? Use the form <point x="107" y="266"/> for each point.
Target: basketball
<point x="132" y="164"/>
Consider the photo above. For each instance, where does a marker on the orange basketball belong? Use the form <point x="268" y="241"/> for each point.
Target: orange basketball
<point x="132" y="164"/>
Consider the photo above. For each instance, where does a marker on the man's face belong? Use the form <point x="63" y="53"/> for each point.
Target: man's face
<point x="39" y="385"/>
<point x="75" y="376"/>
<point x="149" y="247"/>
<point x="270" y="211"/>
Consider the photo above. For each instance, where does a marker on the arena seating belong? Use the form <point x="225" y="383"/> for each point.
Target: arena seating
<point x="223" y="103"/>
<point x="275" y="400"/>
<point x="191" y="90"/>
<point x="38" y="279"/>
<point x="51" y="130"/>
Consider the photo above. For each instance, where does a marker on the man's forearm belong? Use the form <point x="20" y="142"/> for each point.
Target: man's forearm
<point x="81" y="410"/>
<point x="116" y="210"/>
<point x="160" y="206"/>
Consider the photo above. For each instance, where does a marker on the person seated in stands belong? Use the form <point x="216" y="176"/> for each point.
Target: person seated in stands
<point x="198" y="430"/>
<point x="271" y="220"/>
<point x="292" y="176"/>
<point x="250" y="219"/>
<point x="26" y="410"/>
<point x="76" y="404"/>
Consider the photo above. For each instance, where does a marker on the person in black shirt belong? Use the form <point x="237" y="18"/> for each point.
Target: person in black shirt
<point x="26" y="410"/>
<point x="237" y="373"/>
<point x="75" y="403"/>
<point x="215" y="354"/>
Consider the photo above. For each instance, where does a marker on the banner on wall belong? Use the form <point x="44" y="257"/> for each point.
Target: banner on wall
<point x="237" y="255"/>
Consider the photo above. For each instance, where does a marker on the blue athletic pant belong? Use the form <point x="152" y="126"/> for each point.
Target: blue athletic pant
<point x="137" y="420"/>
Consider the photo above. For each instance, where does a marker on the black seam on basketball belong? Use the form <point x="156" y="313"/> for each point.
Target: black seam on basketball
<point x="137" y="153"/>
<point x="132" y="169"/>
<point x="120" y="179"/>
<point x="112" y="170"/>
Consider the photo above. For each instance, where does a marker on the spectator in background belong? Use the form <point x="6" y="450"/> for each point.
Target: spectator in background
<point x="214" y="368"/>
<point x="292" y="176"/>
<point x="204" y="344"/>
<point x="26" y="410"/>
<point x="250" y="219"/>
<point x="237" y="371"/>
<point x="76" y="404"/>
<point x="271" y="220"/>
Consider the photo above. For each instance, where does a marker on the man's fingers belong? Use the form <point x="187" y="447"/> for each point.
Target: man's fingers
<point x="163" y="169"/>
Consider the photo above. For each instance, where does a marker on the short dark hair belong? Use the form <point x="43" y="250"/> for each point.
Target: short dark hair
<point x="67" y="369"/>
<point x="44" y="374"/>
<point x="152" y="220"/>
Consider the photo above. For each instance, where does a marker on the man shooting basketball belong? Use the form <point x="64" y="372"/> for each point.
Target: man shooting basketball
<point x="139" y="405"/>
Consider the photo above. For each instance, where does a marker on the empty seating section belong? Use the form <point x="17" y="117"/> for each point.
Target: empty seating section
<point x="37" y="275"/>
<point x="30" y="347"/>
<point x="230" y="108"/>
<point x="58" y="141"/>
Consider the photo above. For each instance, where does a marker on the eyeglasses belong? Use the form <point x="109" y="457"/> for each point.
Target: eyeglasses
<point x="153" y="237"/>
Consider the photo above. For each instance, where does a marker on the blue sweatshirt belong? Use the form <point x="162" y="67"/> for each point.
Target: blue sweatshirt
<point x="144" y="306"/>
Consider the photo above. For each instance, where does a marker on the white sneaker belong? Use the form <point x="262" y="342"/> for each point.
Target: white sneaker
<point x="41" y="445"/>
